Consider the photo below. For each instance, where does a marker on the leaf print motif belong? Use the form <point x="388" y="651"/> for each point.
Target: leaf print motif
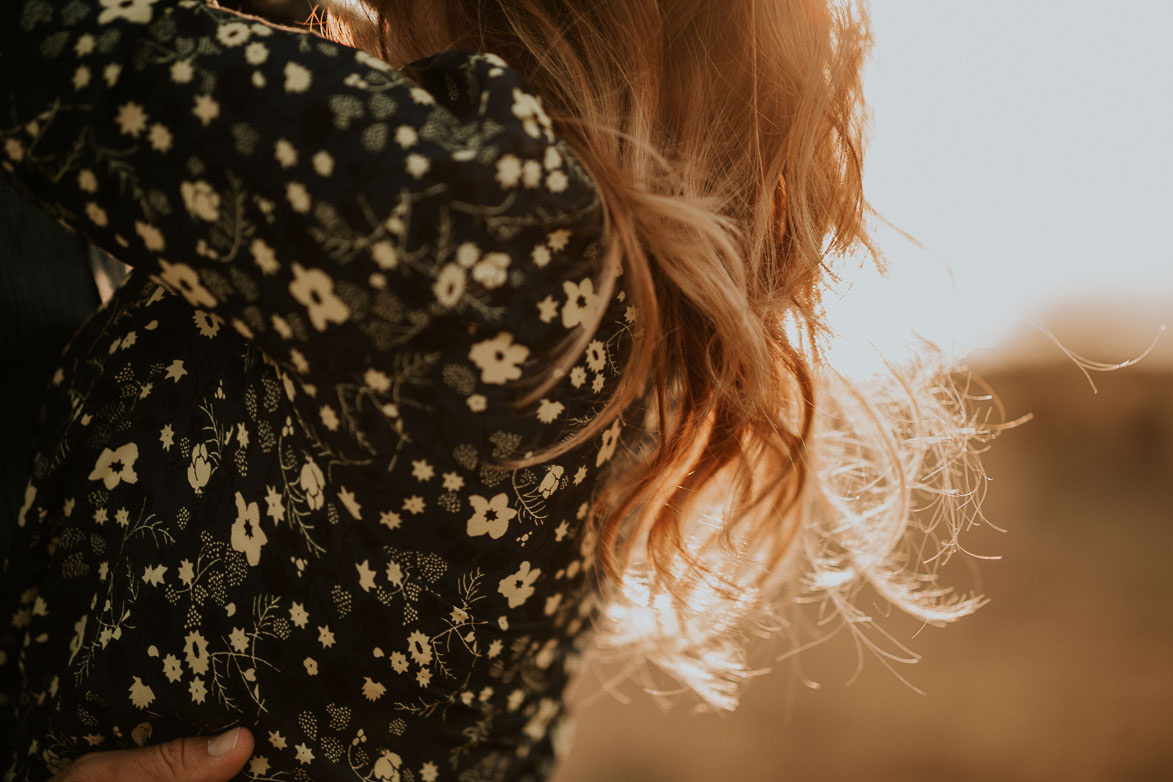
<point x="385" y="284"/>
<point x="141" y="695"/>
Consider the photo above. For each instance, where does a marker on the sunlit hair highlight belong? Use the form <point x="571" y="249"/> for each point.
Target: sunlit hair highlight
<point x="726" y="141"/>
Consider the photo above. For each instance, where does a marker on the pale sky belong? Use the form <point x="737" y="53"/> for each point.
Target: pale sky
<point x="1027" y="145"/>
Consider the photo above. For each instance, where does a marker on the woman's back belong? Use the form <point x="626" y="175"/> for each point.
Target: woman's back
<point x="280" y="495"/>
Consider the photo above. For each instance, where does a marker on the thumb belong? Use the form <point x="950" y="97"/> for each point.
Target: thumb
<point x="196" y="759"/>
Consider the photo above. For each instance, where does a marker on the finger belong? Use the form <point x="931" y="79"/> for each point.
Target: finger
<point x="197" y="759"/>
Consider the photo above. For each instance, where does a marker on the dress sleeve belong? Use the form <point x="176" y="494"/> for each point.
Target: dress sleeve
<point x="319" y="202"/>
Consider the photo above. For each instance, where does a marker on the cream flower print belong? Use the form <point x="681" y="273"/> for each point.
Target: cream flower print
<point x="528" y="109"/>
<point x="449" y="285"/>
<point x="596" y="359"/>
<point x="518" y="587"/>
<point x="297" y="77"/>
<point x="152" y="237"/>
<point x="160" y="137"/>
<point x="184" y="280"/>
<point x="247" y="535"/>
<point x="181" y="71"/>
<point x="314" y="289"/>
<point x="499" y="359"/>
<point x="116" y="466"/>
<point x="312" y="482"/>
<point x="131" y="119"/>
<point x="206" y="109"/>
<point x="201" y="200"/>
<point x="490" y="517"/>
<point x="385" y="255"/>
<point x="387" y="767"/>
<point x="200" y="469"/>
<point x="232" y="34"/>
<point x="490" y="270"/>
<point x="131" y="10"/>
<point x="580" y="302"/>
<point x="264" y="257"/>
<point x="96" y="214"/>
<point x="195" y="652"/>
<point x="610" y="442"/>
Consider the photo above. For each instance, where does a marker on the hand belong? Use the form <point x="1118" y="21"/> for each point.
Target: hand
<point x="199" y="759"/>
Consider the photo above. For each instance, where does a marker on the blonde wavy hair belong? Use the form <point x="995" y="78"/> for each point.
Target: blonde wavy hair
<point x="726" y="141"/>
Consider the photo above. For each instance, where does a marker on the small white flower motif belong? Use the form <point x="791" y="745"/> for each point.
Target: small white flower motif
<point x="422" y="470"/>
<point x="314" y="289"/>
<point x="285" y="153"/>
<point x="610" y="441"/>
<point x="329" y="418"/>
<point x="453" y="481"/>
<point x="490" y="517"/>
<point x="547" y="309"/>
<point x="182" y="71"/>
<point x="417" y="165"/>
<point x="160" y="137"/>
<point x="415" y="505"/>
<point x="265" y="259"/>
<point x="385" y="254"/>
<point x="580" y="302"/>
<point x="274" y="504"/>
<point x="528" y="109"/>
<point x="429" y="772"/>
<point x="96" y="214"/>
<point x="490" y="271"/>
<point x="256" y="53"/>
<point x="499" y="359"/>
<point x="201" y="200"/>
<point x="206" y="109"/>
<point x="422" y="96"/>
<point x="131" y="119"/>
<point x="467" y="254"/>
<point x="557" y="182"/>
<point x="553" y="158"/>
<point x="541" y="256"/>
<point x="14" y="149"/>
<point x="518" y="587"/>
<point x="406" y="136"/>
<point x="152" y="237"/>
<point x="232" y="33"/>
<point x="200" y="469"/>
<point x="399" y="662"/>
<point x="312" y="482"/>
<point x="558" y="239"/>
<point x="111" y="73"/>
<point x="449" y="285"/>
<point x="477" y="403"/>
<point x="116" y="466"/>
<point x="377" y="380"/>
<point x="298" y="196"/>
<point x="247" y="535"/>
<point x="531" y="174"/>
<point x="577" y="377"/>
<point x="323" y="163"/>
<point x="597" y="383"/>
<point x="184" y="280"/>
<point x="596" y="359"/>
<point x="197" y="690"/>
<point x="86" y="181"/>
<point x="172" y="668"/>
<point x="509" y="171"/>
<point x="311" y="666"/>
<point x="81" y="77"/>
<point x="580" y="475"/>
<point x="84" y="45"/>
<point x="297" y="77"/>
<point x="420" y="648"/>
<point x="138" y="11"/>
<point x="548" y="411"/>
<point x="195" y="652"/>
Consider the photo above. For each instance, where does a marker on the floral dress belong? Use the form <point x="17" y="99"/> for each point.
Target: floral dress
<point x="273" y="485"/>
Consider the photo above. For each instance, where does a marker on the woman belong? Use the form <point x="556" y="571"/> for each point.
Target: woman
<point x="421" y="356"/>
